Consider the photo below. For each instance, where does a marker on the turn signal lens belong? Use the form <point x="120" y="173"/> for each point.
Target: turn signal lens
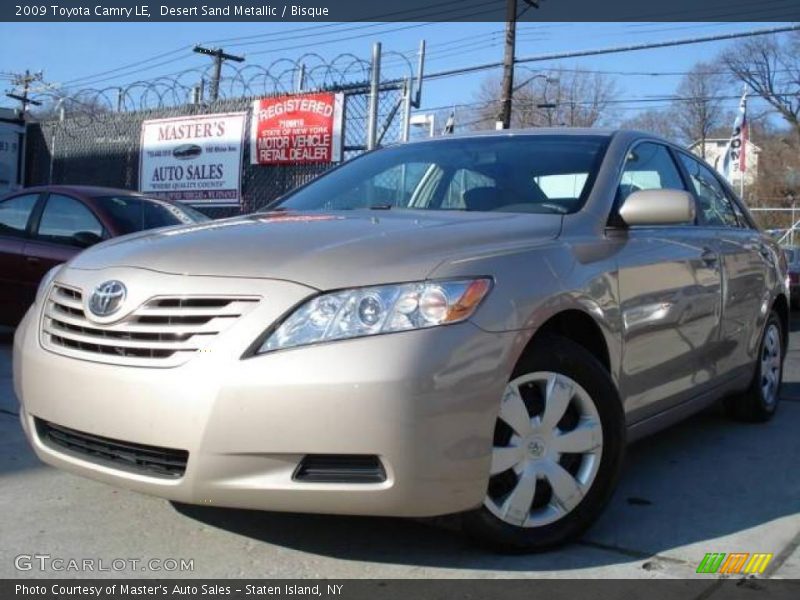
<point x="469" y="301"/>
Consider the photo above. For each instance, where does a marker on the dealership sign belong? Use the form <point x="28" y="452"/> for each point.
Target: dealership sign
<point x="298" y="129"/>
<point x="12" y="134"/>
<point x="194" y="159"/>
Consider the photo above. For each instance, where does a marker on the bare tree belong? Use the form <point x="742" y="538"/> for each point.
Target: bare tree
<point x="658" y="121"/>
<point x="63" y="101"/>
<point x="771" y="68"/>
<point x="557" y="97"/>
<point x="699" y="109"/>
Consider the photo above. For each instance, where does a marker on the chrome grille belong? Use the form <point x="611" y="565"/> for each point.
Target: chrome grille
<point x="165" y="331"/>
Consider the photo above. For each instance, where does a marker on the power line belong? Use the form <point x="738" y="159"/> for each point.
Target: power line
<point x="476" y="13"/>
<point x="291" y="35"/>
<point x="125" y="67"/>
<point x="668" y="100"/>
<point x="423" y="12"/>
<point x="613" y="50"/>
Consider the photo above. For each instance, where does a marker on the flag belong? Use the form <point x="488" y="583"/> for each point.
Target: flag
<point x="735" y="152"/>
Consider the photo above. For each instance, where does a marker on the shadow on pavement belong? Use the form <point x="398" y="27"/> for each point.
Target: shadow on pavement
<point x="700" y="480"/>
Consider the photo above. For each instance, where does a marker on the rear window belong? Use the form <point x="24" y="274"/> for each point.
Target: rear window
<point x="135" y="213"/>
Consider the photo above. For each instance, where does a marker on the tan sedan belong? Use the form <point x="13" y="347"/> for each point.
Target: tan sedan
<point x="470" y="325"/>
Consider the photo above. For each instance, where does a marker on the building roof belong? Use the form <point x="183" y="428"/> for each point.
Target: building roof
<point x="725" y="140"/>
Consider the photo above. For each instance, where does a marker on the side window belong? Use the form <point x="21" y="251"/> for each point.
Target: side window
<point x="649" y="166"/>
<point x="63" y="217"/>
<point x="744" y="222"/>
<point x="713" y="207"/>
<point x="14" y="214"/>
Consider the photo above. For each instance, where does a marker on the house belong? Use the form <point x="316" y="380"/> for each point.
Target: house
<point x="715" y="151"/>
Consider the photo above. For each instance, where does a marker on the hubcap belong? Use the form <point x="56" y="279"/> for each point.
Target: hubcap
<point x="547" y="449"/>
<point x="771" y="365"/>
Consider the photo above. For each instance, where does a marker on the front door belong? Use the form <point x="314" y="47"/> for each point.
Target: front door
<point x="670" y="298"/>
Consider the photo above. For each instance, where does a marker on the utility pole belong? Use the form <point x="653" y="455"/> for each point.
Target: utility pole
<point x="510" y="60"/>
<point x="25" y="81"/>
<point x="504" y="121"/>
<point x="219" y="56"/>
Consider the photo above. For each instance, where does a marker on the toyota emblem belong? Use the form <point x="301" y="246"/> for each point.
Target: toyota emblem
<point x="107" y="298"/>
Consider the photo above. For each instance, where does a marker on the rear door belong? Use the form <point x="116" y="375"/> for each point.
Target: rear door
<point x="746" y="260"/>
<point x="15" y="220"/>
<point x="64" y="227"/>
<point x="670" y="297"/>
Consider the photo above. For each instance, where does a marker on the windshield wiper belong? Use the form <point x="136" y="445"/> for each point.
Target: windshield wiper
<point x="380" y="207"/>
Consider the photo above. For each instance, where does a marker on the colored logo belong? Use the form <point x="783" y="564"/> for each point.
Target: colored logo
<point x="734" y="563"/>
<point x="107" y="298"/>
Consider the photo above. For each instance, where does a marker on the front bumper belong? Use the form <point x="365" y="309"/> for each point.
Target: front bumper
<point x="424" y="402"/>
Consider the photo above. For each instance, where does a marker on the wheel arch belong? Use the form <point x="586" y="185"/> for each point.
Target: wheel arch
<point x="579" y="327"/>
<point x="781" y="306"/>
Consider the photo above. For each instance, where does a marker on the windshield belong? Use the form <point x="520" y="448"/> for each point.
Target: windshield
<point x="136" y="213"/>
<point x="523" y="174"/>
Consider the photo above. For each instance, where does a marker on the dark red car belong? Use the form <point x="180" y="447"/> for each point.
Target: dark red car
<point x="43" y="226"/>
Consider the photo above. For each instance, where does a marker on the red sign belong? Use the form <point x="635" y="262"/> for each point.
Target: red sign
<point x="303" y="128"/>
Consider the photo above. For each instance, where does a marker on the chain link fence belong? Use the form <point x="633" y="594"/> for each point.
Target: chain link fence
<point x="102" y="148"/>
<point x="780" y="222"/>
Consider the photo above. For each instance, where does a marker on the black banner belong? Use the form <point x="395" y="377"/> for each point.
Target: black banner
<point x="409" y="10"/>
<point x="395" y="589"/>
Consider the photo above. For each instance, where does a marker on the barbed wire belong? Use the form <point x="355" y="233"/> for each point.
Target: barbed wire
<point x="309" y="72"/>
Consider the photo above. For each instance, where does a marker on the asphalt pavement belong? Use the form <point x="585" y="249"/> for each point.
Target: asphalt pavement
<point x="706" y="485"/>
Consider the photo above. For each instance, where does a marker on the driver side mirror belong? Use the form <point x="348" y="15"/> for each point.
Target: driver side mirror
<point x="658" y="207"/>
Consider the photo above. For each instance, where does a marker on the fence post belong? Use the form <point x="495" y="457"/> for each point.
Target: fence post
<point x="52" y="154"/>
<point x="374" y="91"/>
<point x="406" y="111"/>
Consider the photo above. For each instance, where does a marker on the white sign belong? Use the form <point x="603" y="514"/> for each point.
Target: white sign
<point x="196" y="159"/>
<point x="10" y="151"/>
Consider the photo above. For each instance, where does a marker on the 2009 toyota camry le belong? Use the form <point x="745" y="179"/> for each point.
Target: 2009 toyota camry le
<point x="472" y="325"/>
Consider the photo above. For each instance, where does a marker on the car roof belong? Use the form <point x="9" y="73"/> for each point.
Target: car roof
<point x="81" y="190"/>
<point x="628" y="134"/>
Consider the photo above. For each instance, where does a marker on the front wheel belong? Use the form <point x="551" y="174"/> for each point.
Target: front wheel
<point x="558" y="446"/>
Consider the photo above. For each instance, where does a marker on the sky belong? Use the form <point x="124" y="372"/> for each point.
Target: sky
<point x="68" y="51"/>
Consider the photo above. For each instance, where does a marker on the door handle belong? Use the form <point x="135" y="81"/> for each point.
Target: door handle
<point x="34" y="260"/>
<point x="709" y="257"/>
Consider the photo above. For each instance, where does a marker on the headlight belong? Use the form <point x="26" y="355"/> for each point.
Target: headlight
<point x="44" y="284"/>
<point x="381" y="309"/>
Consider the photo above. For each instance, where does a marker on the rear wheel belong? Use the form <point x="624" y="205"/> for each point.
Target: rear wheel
<point x="760" y="401"/>
<point x="558" y="446"/>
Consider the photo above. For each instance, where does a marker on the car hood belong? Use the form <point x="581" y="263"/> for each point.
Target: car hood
<point x="323" y="250"/>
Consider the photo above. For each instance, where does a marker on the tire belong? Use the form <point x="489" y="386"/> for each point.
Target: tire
<point x="558" y="511"/>
<point x="760" y="401"/>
